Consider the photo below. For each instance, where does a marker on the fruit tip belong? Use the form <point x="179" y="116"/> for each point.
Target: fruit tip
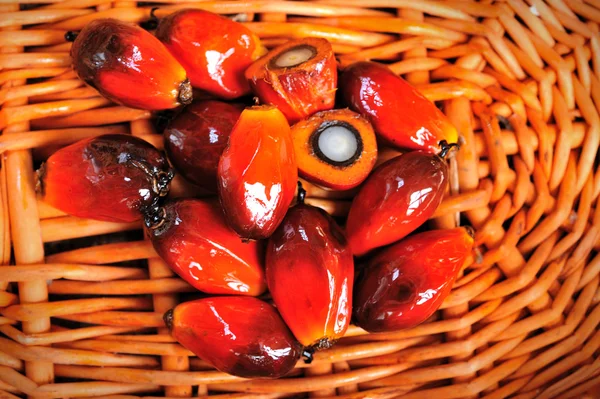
<point x="168" y="319"/>
<point x="470" y="231"/>
<point x="446" y="148"/>
<point x="308" y="355"/>
<point x="70" y="36"/>
<point x="155" y="217"/>
<point x="301" y="193"/>
<point x="322" y="344"/>
<point x="39" y="179"/>
<point x="186" y="94"/>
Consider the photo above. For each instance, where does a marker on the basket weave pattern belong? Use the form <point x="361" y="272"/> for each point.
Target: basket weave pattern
<point x="521" y="81"/>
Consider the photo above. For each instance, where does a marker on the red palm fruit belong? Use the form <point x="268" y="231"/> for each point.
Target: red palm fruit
<point x="242" y="336"/>
<point x="129" y="66"/>
<point x="115" y="178"/>
<point x="336" y="149"/>
<point x="192" y="237"/>
<point x="310" y="272"/>
<point x="299" y="77"/>
<point x="196" y="138"/>
<point x="257" y="172"/>
<point x="214" y="50"/>
<point x="406" y="283"/>
<point x="398" y="197"/>
<point x="401" y="115"/>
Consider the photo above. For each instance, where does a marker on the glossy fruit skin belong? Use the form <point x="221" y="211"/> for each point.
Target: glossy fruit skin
<point x="129" y="66"/>
<point x="301" y="90"/>
<point x="257" y="173"/>
<point x="406" y="283"/>
<point x="196" y="138"/>
<point x="325" y="174"/>
<point x="401" y="115"/>
<point x="397" y="198"/>
<point x="242" y="336"/>
<point x="113" y="178"/>
<point x="310" y="272"/>
<point x="197" y="244"/>
<point x="214" y="50"/>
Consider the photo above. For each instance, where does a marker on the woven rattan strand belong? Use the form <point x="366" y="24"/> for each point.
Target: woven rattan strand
<point x="521" y="81"/>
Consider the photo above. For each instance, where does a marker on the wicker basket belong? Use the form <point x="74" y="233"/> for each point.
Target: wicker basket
<point x="81" y="310"/>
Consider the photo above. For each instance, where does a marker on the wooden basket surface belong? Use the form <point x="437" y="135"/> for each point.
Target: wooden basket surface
<point x="81" y="317"/>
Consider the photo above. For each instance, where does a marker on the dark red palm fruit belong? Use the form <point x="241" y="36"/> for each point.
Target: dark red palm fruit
<point x="406" y="283"/>
<point x="193" y="239"/>
<point x="257" y="173"/>
<point x="196" y="138"/>
<point x="397" y="198"/>
<point x="115" y="178"/>
<point x="401" y="115"/>
<point x="242" y="336"/>
<point x="310" y="272"/>
<point x="129" y="66"/>
<point x="214" y="50"/>
<point x="299" y="77"/>
<point x="336" y="149"/>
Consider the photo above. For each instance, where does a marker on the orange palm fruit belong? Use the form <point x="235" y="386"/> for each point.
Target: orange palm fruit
<point x="129" y="66"/>
<point x="192" y="237"/>
<point x="336" y="149"/>
<point x="406" y="283"/>
<point x="242" y="336"/>
<point x="398" y="197"/>
<point x="115" y="178"/>
<point x="299" y="77"/>
<point x="401" y="115"/>
<point x="214" y="50"/>
<point x="257" y="173"/>
<point x="310" y="272"/>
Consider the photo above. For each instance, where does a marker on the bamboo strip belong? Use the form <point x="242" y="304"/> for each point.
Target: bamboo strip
<point x="118" y="319"/>
<point x="542" y="318"/>
<point x="60" y="336"/>
<point x="35" y="61"/>
<point x="81" y="92"/>
<point x="473" y="8"/>
<point x="450" y="71"/>
<point x="97" y="117"/>
<point x="31" y="37"/>
<point x="143" y="376"/>
<point x="25" y="113"/>
<point x="563" y="205"/>
<point x="298" y="28"/>
<point x="24" y="229"/>
<point x="68" y="227"/>
<point x="432" y="8"/>
<point x="391" y="25"/>
<point x="77" y="23"/>
<point x="75" y="357"/>
<point x="70" y="4"/>
<point x="36" y="89"/>
<point x="96" y="388"/>
<point x="6" y="76"/>
<point x="12" y="19"/>
<point x="41" y="138"/>
<point x="54" y="271"/>
<point x="534" y="24"/>
<point x="128" y="287"/>
<point x="106" y="253"/>
<point x="581" y="334"/>
<point x="393" y="48"/>
<point x="314" y="9"/>
<point x="33" y="311"/>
